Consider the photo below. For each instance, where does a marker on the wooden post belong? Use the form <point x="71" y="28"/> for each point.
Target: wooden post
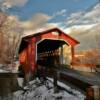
<point x="55" y="81"/>
<point x="93" y="93"/>
<point x="89" y="93"/>
<point x="62" y="53"/>
<point x="96" y="92"/>
<point x="72" y="55"/>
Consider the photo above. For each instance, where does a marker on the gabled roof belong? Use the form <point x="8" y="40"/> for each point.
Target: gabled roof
<point x="26" y="38"/>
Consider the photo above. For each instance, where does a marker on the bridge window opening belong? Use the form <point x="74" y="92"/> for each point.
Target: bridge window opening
<point x="49" y="52"/>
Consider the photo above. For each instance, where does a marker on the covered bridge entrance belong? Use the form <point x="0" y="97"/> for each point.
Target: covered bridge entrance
<point x="48" y="53"/>
<point x="44" y="48"/>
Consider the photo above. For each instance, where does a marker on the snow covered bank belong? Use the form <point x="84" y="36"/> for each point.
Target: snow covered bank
<point x="39" y="91"/>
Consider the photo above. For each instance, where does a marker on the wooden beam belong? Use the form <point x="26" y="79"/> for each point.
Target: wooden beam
<point x="72" y="55"/>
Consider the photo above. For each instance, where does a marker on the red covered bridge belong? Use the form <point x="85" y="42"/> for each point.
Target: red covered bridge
<point x="36" y="46"/>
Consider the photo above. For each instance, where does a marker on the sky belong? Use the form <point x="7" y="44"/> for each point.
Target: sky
<point x="49" y="7"/>
<point x="36" y="14"/>
<point x="74" y="17"/>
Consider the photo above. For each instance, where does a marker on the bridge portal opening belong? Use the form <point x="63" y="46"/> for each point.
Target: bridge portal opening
<point x="48" y="53"/>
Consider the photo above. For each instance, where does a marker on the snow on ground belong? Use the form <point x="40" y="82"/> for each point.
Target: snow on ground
<point x="39" y="91"/>
<point x="3" y="71"/>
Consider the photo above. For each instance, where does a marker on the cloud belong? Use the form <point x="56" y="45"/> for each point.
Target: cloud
<point x="74" y="17"/>
<point x="85" y="17"/>
<point x="89" y="39"/>
<point x="37" y="21"/>
<point x="60" y="13"/>
<point x="6" y="4"/>
<point x="46" y="26"/>
<point x="94" y="15"/>
<point x="78" y="28"/>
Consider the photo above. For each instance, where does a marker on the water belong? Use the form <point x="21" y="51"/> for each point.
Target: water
<point x="8" y="84"/>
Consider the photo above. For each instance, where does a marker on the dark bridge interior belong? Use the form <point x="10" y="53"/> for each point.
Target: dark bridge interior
<point x="48" y="53"/>
<point x="48" y="45"/>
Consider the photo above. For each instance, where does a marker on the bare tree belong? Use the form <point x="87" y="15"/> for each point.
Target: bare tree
<point x="93" y="56"/>
<point x="10" y="35"/>
<point x="3" y="18"/>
